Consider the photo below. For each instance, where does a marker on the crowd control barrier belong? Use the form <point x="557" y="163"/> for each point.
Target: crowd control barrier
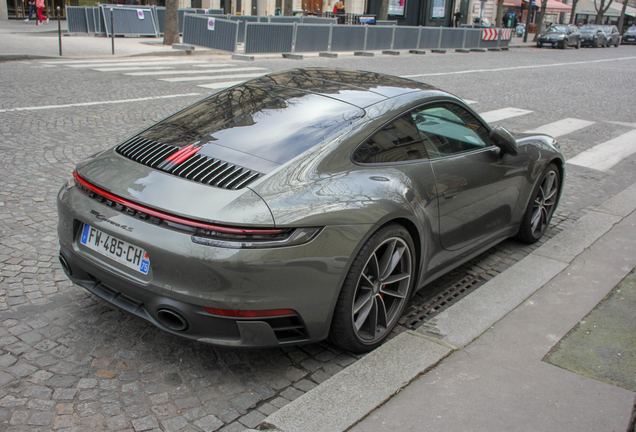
<point x="130" y="21"/>
<point x="270" y="37"/>
<point x="211" y="32"/>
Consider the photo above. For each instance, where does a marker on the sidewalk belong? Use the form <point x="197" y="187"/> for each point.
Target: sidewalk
<point x="17" y="41"/>
<point x="481" y="366"/>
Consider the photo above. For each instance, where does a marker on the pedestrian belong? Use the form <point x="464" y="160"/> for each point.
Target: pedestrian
<point x="457" y="16"/>
<point x="340" y="12"/>
<point x="32" y="10"/>
<point x="335" y="8"/>
<point x="39" y="4"/>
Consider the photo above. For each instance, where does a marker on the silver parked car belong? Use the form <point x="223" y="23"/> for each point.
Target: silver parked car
<point x="300" y="205"/>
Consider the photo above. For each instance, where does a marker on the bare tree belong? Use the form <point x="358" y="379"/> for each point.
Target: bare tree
<point x="499" y="20"/>
<point x="171" y="26"/>
<point x="384" y="10"/>
<point x="600" y="10"/>
<point x="544" y="5"/>
<point x="288" y="7"/>
<point x="621" y="21"/>
<point x="573" y="13"/>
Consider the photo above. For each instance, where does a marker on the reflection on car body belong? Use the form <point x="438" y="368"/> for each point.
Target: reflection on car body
<point x="301" y="205"/>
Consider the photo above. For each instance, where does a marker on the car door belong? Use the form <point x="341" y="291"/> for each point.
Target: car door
<point x="477" y="188"/>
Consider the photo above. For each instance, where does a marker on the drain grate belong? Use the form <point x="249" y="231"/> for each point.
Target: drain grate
<point x="432" y="303"/>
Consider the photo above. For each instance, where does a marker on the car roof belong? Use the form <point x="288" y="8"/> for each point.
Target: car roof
<point x="355" y="87"/>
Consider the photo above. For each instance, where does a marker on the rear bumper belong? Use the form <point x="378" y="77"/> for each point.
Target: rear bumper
<point x="185" y="277"/>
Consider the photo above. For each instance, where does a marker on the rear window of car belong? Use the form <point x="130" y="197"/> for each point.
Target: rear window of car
<point x="269" y="122"/>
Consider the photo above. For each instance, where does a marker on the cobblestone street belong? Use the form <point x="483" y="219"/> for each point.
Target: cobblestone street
<point x="71" y="362"/>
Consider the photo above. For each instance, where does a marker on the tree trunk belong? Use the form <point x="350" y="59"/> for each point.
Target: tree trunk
<point x="544" y="5"/>
<point x="384" y="10"/>
<point x="600" y="11"/>
<point x="499" y="23"/>
<point x="171" y="26"/>
<point x="621" y="20"/>
<point x="288" y="7"/>
<point x="573" y="13"/>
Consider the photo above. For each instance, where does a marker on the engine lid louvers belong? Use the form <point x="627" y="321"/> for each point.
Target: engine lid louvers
<point x="185" y="162"/>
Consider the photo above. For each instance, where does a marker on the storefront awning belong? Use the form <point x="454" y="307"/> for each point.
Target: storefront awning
<point x="586" y="7"/>
<point x="553" y="5"/>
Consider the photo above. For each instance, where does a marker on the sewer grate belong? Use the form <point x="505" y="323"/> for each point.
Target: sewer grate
<point x="432" y="303"/>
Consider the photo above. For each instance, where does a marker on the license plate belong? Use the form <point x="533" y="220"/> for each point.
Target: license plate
<point x="118" y="250"/>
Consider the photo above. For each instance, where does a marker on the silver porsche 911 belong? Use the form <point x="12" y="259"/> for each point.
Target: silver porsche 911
<point x="299" y="206"/>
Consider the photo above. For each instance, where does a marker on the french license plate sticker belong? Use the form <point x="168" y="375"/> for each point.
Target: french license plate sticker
<point x="118" y="250"/>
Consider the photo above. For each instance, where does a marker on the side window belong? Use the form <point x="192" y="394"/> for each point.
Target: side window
<point x="398" y="141"/>
<point x="449" y="129"/>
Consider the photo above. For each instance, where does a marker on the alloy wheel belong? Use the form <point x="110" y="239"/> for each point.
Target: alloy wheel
<point x="544" y="203"/>
<point x="381" y="290"/>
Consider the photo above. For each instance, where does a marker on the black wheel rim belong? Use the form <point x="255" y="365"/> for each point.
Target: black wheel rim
<point x="381" y="290"/>
<point x="544" y="204"/>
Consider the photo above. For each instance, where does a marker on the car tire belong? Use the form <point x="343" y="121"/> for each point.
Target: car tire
<point x="595" y="44"/>
<point x="375" y="291"/>
<point x="561" y="45"/>
<point x="616" y="44"/>
<point x="578" y="45"/>
<point x="543" y="202"/>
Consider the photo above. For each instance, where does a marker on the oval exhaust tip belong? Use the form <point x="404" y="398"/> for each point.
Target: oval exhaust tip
<point x="65" y="265"/>
<point x="172" y="320"/>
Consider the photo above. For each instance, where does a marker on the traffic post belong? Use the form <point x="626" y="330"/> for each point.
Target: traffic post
<point x="59" y="29"/>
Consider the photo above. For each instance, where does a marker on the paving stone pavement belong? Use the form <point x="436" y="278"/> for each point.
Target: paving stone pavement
<point x="69" y="361"/>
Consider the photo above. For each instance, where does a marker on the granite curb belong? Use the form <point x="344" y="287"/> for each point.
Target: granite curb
<point x="357" y="390"/>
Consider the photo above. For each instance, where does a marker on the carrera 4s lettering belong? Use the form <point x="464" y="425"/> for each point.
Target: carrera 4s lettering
<point x="103" y="218"/>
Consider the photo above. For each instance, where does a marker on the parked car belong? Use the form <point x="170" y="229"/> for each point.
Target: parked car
<point x="629" y="37"/>
<point x="593" y="36"/>
<point x="300" y="205"/>
<point x="561" y="36"/>
<point x="613" y="36"/>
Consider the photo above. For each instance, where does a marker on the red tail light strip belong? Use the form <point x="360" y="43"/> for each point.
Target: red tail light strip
<point x="250" y="313"/>
<point x="168" y="217"/>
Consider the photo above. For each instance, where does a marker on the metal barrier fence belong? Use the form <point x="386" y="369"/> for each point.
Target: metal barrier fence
<point x="77" y="17"/>
<point x="210" y="32"/>
<point x="130" y="21"/>
<point x="268" y="37"/>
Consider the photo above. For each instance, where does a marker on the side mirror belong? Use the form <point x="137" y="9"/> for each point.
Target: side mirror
<point x="502" y="139"/>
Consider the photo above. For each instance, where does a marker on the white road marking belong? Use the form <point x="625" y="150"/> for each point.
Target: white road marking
<point x="209" y="77"/>
<point x="220" y="85"/>
<point x="502" y="114"/>
<point x="518" y="67"/>
<point x="128" y="64"/>
<point x="119" y="60"/>
<point x="604" y="156"/>
<point x="46" y="107"/>
<point x="185" y="72"/>
<point x="131" y="68"/>
<point x="561" y="127"/>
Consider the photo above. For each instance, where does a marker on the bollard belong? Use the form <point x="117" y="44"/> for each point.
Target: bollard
<point x="59" y="28"/>
<point x="112" y="30"/>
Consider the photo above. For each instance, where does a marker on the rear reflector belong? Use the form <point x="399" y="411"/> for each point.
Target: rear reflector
<point x="249" y="314"/>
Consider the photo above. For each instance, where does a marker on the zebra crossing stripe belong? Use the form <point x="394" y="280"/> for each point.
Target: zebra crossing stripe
<point x="128" y="64"/>
<point x="561" y="127"/>
<point x="604" y="156"/>
<point x="502" y="114"/>
<point x="220" y="85"/>
<point x="208" y="77"/>
<point x="193" y="72"/>
<point x="132" y="68"/>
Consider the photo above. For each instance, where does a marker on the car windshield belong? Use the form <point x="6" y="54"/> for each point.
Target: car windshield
<point x="557" y="29"/>
<point x="631" y="30"/>
<point x="588" y="28"/>
<point x="608" y="29"/>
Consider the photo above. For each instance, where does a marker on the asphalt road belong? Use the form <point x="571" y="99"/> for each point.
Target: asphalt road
<point x="68" y="360"/>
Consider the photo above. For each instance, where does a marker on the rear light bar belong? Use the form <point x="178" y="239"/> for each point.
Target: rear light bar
<point x="175" y="219"/>
<point x="250" y="313"/>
